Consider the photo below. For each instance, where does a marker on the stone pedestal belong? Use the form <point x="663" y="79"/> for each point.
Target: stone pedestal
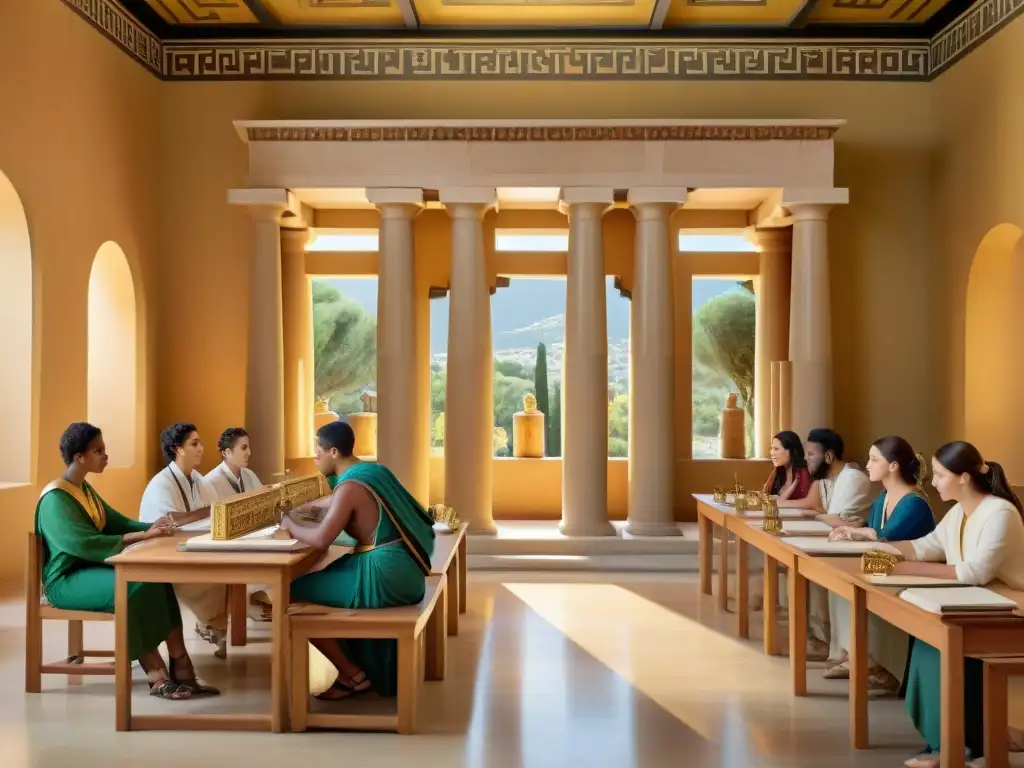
<point x="528" y="435"/>
<point x="365" y="427"/>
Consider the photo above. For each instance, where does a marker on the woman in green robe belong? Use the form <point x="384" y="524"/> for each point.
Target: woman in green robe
<point x="79" y="532"/>
<point x="393" y="536"/>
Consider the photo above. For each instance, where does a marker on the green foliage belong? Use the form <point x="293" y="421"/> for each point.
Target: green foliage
<point x="508" y="398"/>
<point x="723" y="341"/>
<point x="344" y="348"/>
<point x="513" y="368"/>
<point x="618" y="426"/>
<point x="540" y="391"/>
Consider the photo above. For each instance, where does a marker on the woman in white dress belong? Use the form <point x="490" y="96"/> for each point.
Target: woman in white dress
<point x="980" y="540"/>
<point x="179" y="492"/>
<point x="233" y="476"/>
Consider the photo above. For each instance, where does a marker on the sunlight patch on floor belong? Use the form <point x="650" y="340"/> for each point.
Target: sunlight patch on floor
<point x="689" y="669"/>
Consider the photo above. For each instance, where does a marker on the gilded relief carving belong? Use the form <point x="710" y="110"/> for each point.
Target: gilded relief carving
<point x="244" y="514"/>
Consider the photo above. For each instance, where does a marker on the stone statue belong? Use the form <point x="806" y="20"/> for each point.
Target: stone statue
<point x="369" y="401"/>
<point x="529" y="403"/>
<point x="528" y="430"/>
<point x="732" y="437"/>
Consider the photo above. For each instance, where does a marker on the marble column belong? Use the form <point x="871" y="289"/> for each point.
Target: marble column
<point x="652" y="354"/>
<point x="399" y="428"/>
<point x="771" y="336"/>
<point x="469" y="398"/>
<point x="264" y="391"/>
<point x="585" y="369"/>
<point x="297" y="308"/>
<point x="810" y="319"/>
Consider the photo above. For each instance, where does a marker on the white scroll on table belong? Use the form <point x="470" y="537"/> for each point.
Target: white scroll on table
<point x="784" y="514"/>
<point x="817" y="545"/>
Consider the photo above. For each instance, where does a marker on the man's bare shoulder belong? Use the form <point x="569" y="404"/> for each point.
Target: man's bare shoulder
<point x="355" y="494"/>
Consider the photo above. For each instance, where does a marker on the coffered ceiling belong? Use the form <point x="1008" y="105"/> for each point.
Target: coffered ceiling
<point x="263" y="19"/>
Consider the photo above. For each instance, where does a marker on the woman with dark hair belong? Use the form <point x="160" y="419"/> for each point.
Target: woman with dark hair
<point x="789" y="478"/>
<point x="900" y="513"/>
<point x="233" y="476"/>
<point x="179" y="492"/>
<point x="79" y="532"/>
<point x="980" y="540"/>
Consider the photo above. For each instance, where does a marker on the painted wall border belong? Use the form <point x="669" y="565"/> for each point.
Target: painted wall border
<point x="627" y="59"/>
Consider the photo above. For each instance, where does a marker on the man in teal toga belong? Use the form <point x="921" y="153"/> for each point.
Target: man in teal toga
<point x="394" y="540"/>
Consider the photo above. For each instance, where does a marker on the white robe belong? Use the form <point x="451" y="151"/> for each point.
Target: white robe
<point x="849" y="495"/>
<point x="993" y="546"/>
<point x="171" y="491"/>
<point x="221" y="478"/>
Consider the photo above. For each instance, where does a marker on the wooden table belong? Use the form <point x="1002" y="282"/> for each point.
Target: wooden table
<point x="159" y="560"/>
<point x="956" y="638"/>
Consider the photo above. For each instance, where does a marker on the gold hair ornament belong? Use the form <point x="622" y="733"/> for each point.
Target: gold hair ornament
<point x="922" y="471"/>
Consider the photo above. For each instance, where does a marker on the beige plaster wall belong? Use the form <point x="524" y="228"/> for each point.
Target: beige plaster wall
<point x="979" y="108"/>
<point x="78" y="135"/>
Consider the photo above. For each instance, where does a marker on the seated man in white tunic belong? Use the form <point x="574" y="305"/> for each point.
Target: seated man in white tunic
<point x="179" y="492"/>
<point x="841" y="495"/>
<point x="233" y="476"/>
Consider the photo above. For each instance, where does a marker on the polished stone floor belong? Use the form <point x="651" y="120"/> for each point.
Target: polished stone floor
<point x="550" y="669"/>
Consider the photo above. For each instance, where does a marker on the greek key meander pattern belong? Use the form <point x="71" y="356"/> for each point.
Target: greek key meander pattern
<point x="121" y="27"/>
<point x="553" y="133"/>
<point x="637" y="60"/>
<point x="702" y="61"/>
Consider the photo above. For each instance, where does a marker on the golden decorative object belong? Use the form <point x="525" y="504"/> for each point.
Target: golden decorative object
<point x="445" y="515"/>
<point x="245" y="513"/>
<point x="719" y="495"/>
<point x="302" y="490"/>
<point x="321" y="406"/>
<point x="772" y="521"/>
<point x="529" y="403"/>
<point x="878" y="563"/>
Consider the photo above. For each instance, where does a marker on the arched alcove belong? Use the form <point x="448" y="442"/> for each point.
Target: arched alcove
<point x="993" y="363"/>
<point x="16" y="310"/>
<point x="113" y="339"/>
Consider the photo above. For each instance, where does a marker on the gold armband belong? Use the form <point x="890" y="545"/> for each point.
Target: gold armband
<point x="878" y="563"/>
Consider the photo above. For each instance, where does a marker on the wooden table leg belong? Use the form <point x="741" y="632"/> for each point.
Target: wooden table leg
<point x="858" y="651"/>
<point x="437" y="639"/>
<point x="279" y="654"/>
<point x="238" y="599"/>
<point x="454" y="595"/>
<point x="951" y="749"/>
<point x="771" y="604"/>
<point x="463" y="569"/>
<point x="122" y="662"/>
<point x="723" y="569"/>
<point x="997" y="752"/>
<point x="798" y="631"/>
<point x="742" y="590"/>
<point x="299" y="684"/>
<point x="704" y="542"/>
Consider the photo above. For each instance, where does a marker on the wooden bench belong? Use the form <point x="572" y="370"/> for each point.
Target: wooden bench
<point x="997" y="671"/>
<point x="449" y="558"/>
<point x="410" y="626"/>
<point x="38" y="610"/>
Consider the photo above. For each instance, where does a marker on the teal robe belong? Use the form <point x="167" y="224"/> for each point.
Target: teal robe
<point x="393" y="573"/>
<point x="76" y="578"/>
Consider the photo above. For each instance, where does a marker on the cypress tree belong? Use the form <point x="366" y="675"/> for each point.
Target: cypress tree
<point x="540" y="389"/>
<point x="555" y="443"/>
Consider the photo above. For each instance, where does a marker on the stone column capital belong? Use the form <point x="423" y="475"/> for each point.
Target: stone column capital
<point x="810" y="211"/>
<point x="396" y="202"/>
<point x="269" y="205"/>
<point x="774" y="240"/>
<point x="295" y="239"/>
<point x="638" y="196"/>
<point x="480" y="197"/>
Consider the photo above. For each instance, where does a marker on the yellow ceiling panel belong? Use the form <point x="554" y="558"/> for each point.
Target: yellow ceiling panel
<point x="203" y="11"/>
<point x="876" y="11"/>
<point x="682" y="13"/>
<point x="335" y="13"/>
<point x="535" y="13"/>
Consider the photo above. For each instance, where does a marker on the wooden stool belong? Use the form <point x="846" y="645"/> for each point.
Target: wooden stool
<point x="997" y="672"/>
<point x="406" y="625"/>
<point x="38" y="610"/>
<point x="449" y="558"/>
